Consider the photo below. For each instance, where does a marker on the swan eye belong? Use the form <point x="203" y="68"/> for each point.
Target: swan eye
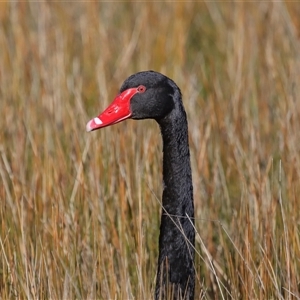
<point x="141" y="89"/>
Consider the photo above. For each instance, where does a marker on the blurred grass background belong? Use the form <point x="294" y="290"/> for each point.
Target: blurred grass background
<point x="79" y="213"/>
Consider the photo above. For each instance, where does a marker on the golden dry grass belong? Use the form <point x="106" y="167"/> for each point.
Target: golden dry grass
<point x="79" y="213"/>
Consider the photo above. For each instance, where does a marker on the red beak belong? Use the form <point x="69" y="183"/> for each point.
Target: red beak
<point x="116" y="112"/>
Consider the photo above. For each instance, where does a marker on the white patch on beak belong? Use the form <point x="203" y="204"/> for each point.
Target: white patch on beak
<point x="92" y="124"/>
<point x="98" y="121"/>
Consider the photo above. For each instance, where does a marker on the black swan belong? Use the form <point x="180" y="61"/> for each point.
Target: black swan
<point x="151" y="95"/>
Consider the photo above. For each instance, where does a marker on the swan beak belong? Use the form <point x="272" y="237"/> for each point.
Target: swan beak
<point x="116" y="112"/>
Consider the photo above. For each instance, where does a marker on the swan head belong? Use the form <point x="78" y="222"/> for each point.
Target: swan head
<point x="144" y="95"/>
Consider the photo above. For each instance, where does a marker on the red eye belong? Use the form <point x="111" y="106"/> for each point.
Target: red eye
<point x="141" y="89"/>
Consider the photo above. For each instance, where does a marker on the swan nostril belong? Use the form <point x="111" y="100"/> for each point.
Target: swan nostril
<point x="113" y="110"/>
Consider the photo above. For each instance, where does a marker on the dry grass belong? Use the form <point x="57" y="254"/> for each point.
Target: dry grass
<point x="79" y="213"/>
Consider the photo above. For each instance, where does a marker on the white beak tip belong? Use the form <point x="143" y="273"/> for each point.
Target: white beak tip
<point x="88" y="126"/>
<point x="93" y="124"/>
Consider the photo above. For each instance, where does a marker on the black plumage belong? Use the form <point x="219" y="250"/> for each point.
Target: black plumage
<point x="153" y="95"/>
